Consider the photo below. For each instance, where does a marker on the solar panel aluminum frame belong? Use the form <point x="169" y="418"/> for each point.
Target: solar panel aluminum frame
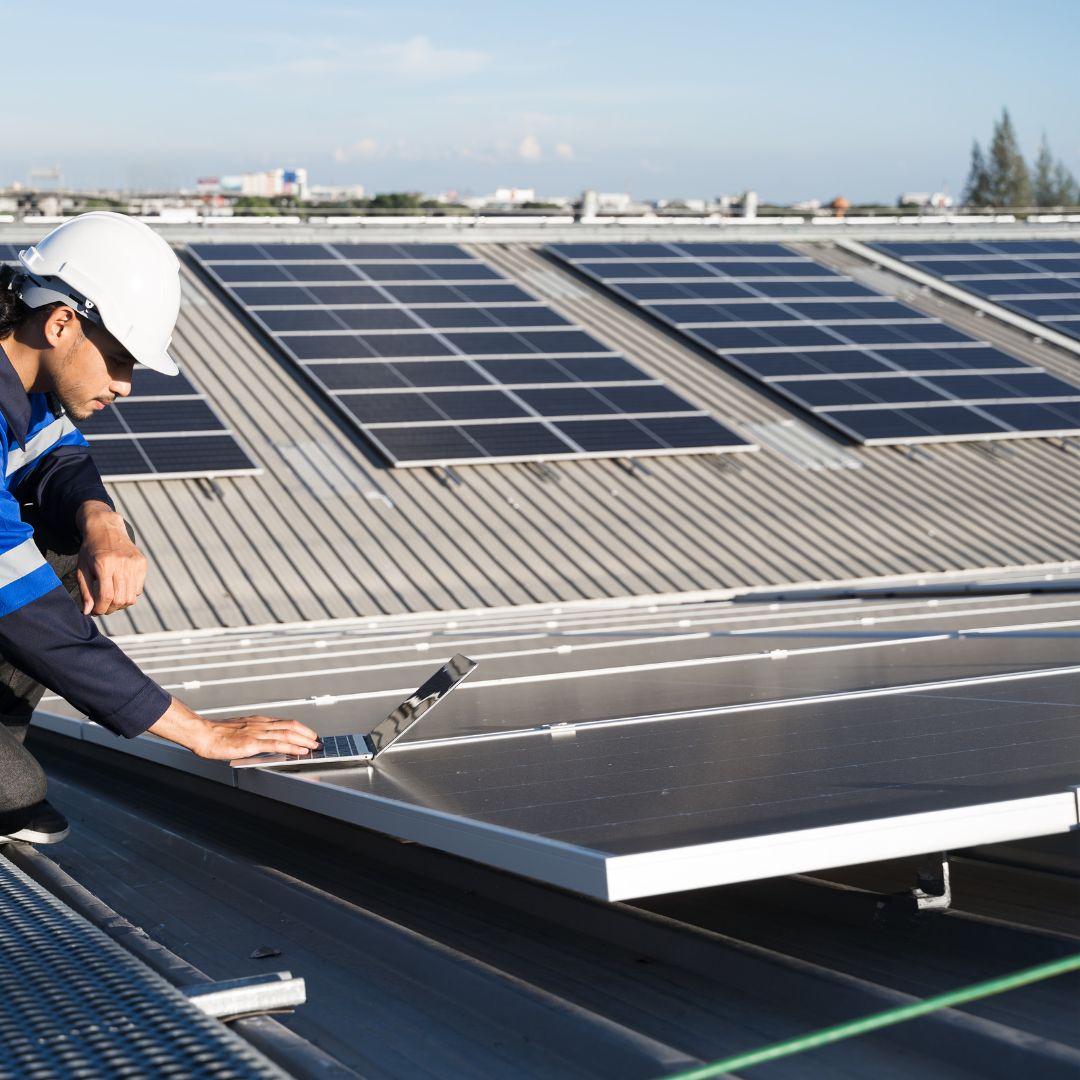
<point x="203" y="474"/>
<point x="444" y="461"/>
<point x="569" y="455"/>
<point x="1048" y="433"/>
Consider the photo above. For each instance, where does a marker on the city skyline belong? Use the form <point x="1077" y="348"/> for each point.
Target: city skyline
<point x="702" y="99"/>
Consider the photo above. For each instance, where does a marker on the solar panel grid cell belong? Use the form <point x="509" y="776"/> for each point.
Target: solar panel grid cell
<point x="797" y="345"/>
<point x="437" y="319"/>
<point x="121" y="457"/>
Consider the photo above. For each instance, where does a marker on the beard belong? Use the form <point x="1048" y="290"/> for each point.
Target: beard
<point x="73" y="409"/>
<point x="68" y="389"/>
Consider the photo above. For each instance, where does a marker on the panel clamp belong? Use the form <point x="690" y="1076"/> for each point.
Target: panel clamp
<point x="255" y="995"/>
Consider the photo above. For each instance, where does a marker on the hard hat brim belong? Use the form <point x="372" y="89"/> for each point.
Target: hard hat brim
<point x="163" y="364"/>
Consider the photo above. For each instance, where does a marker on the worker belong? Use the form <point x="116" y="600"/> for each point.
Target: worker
<point x="97" y="295"/>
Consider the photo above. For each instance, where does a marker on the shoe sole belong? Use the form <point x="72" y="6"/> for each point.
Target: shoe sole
<point x="32" y="836"/>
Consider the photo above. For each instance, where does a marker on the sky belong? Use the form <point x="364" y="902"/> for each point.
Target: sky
<point x="682" y="99"/>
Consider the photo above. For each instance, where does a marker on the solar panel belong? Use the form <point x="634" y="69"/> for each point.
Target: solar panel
<point x="867" y="364"/>
<point x="166" y="429"/>
<point x="679" y="746"/>
<point x="439" y="360"/>
<point x="1036" y="278"/>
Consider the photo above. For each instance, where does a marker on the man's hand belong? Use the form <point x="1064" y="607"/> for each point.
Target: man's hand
<point x="245" y="736"/>
<point x="111" y="569"/>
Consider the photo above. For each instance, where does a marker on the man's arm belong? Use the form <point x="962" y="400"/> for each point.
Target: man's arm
<point x="46" y="637"/>
<point x="225" y="739"/>
<point x="72" y="502"/>
<point x="43" y="634"/>
<point x="111" y="570"/>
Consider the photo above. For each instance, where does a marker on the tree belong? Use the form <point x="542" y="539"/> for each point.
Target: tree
<point x="396" y="200"/>
<point x="1010" y="183"/>
<point x="1066" y="190"/>
<point x="1043" y="187"/>
<point x="977" y="189"/>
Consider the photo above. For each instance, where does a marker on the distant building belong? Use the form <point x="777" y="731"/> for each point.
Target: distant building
<point x="937" y="200"/>
<point x="699" y="206"/>
<point x="329" y="194"/>
<point x="268" y="184"/>
<point x="619" y="202"/>
<point x="512" y="196"/>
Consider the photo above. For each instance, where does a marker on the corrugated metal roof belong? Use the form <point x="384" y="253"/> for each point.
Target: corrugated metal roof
<point x="328" y="531"/>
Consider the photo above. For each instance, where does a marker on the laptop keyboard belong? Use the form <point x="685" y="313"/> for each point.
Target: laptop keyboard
<point x="336" y="746"/>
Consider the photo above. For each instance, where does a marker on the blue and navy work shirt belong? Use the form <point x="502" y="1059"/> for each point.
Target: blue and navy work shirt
<point x="47" y="461"/>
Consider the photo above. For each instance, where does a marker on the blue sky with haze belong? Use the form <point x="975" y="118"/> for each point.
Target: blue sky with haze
<point x="681" y="99"/>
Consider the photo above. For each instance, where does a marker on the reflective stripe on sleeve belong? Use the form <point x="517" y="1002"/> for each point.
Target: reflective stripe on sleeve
<point x="21" y="560"/>
<point x="43" y="441"/>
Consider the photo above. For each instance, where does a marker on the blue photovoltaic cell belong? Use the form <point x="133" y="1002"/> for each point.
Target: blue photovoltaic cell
<point x="874" y="367"/>
<point x="440" y="360"/>
<point x="1039" y="279"/>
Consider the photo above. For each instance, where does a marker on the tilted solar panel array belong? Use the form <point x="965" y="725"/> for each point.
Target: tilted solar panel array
<point x="439" y="360"/>
<point x="165" y="430"/>
<point x="1036" y="278"/>
<point x="874" y="368"/>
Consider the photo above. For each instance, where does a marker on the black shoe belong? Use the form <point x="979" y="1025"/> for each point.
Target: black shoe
<point x="41" y="824"/>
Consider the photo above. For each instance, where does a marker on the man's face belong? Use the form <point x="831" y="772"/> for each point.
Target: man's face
<point x="90" y="371"/>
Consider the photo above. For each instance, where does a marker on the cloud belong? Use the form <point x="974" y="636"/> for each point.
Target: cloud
<point x="417" y="58"/>
<point x="363" y="149"/>
<point x="368" y="148"/>
<point x="529" y="148"/>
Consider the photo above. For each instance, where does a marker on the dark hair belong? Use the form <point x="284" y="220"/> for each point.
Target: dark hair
<point x="12" y="310"/>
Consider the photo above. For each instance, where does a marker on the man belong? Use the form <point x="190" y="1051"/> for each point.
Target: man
<point x="97" y="295"/>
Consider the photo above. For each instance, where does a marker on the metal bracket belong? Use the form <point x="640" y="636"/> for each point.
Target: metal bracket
<point x="543" y="471"/>
<point x="914" y="453"/>
<point x="633" y="465"/>
<point x="252" y="996"/>
<point x="723" y="463"/>
<point x="210" y="488"/>
<point x="933" y="889"/>
<point x="932" y="893"/>
<point x="994" y="449"/>
<point x="445" y="475"/>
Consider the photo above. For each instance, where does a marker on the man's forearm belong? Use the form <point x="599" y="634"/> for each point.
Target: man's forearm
<point x="94" y="514"/>
<point x="180" y="724"/>
<point x="244" y="736"/>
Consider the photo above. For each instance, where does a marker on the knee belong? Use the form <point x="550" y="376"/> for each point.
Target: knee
<point x="23" y="785"/>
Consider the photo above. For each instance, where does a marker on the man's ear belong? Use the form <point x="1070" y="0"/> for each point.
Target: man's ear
<point x="60" y="323"/>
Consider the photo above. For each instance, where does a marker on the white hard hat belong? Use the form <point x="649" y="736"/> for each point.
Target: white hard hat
<point x="115" y="271"/>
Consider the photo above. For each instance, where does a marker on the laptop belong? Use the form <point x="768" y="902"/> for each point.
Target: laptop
<point x="363" y="749"/>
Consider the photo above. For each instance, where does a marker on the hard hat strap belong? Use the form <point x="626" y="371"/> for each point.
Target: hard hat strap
<point x="35" y="292"/>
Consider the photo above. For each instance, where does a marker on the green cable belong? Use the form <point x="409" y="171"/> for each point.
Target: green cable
<point x="880" y="1020"/>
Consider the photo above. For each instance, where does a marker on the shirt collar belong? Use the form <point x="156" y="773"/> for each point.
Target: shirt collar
<point x="14" y="401"/>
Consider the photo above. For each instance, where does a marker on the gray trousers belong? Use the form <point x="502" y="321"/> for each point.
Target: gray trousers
<point x="22" y="780"/>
